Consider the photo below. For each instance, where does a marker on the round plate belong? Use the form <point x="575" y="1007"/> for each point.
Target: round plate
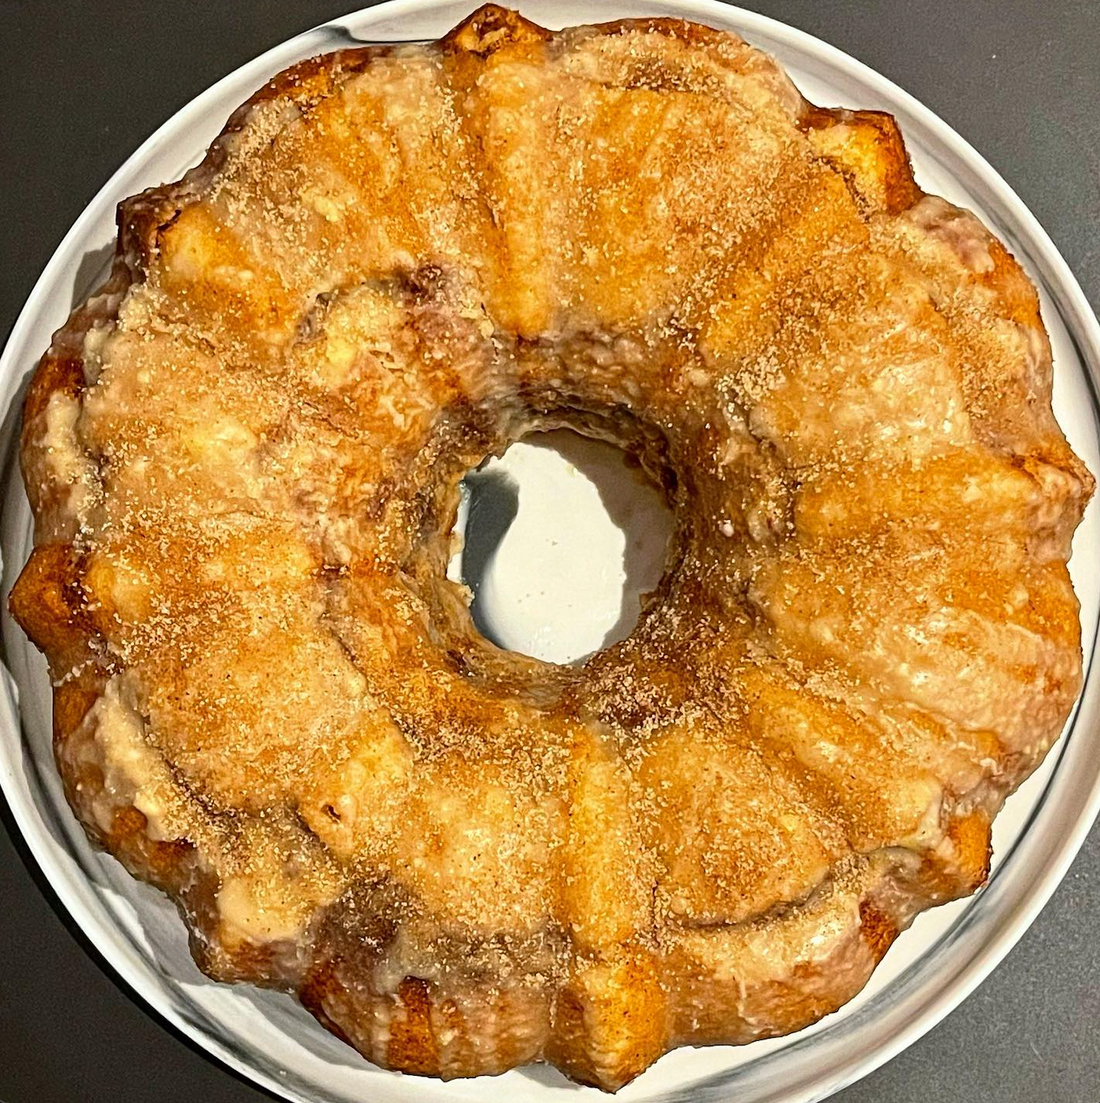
<point x="931" y="968"/>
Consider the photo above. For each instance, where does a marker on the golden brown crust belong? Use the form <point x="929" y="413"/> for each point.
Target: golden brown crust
<point x="48" y="602"/>
<point x="871" y="154"/>
<point x="242" y="455"/>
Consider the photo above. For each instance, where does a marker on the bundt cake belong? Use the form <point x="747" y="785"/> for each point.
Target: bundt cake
<point x="244" y="454"/>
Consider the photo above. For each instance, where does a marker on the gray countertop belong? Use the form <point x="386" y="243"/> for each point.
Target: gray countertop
<point x="82" y="84"/>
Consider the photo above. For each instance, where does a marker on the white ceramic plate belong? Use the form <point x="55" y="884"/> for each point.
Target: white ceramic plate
<point x="932" y="967"/>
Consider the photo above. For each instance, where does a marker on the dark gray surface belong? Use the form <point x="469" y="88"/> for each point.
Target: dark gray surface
<point x="81" y="84"/>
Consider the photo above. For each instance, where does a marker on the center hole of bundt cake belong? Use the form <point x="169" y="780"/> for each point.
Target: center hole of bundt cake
<point x="563" y="537"/>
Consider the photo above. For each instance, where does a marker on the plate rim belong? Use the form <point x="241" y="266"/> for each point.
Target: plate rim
<point x="1083" y="327"/>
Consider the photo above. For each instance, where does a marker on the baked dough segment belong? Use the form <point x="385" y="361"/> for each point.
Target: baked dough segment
<point x="601" y="167"/>
<point x="732" y="831"/>
<point x="609" y="1014"/>
<point x="364" y="183"/>
<point x="774" y="975"/>
<point x="958" y="631"/>
<point x="876" y="780"/>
